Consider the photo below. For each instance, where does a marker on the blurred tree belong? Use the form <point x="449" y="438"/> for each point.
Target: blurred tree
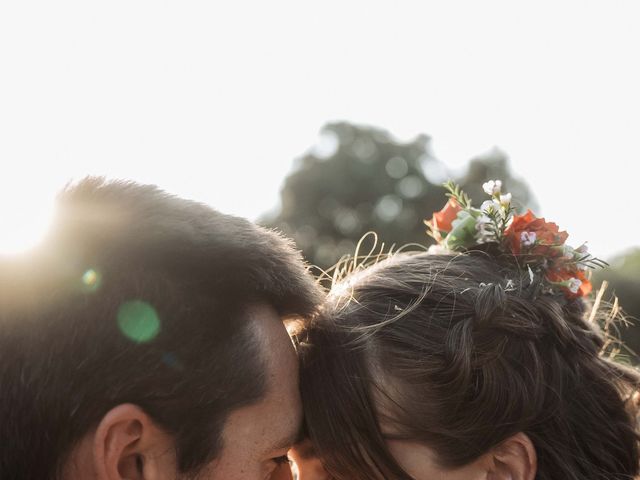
<point x="624" y="279"/>
<point x="359" y="179"/>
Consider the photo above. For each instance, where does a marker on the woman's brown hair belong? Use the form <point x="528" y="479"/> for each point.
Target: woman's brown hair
<point x="463" y="351"/>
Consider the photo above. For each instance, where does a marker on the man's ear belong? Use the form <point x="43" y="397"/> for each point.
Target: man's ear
<point x="514" y="459"/>
<point x="128" y="445"/>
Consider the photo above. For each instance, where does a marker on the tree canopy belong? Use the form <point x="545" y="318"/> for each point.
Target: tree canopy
<point x="361" y="179"/>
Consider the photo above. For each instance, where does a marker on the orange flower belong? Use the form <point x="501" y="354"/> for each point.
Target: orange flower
<point x="586" y="287"/>
<point x="581" y="284"/>
<point x="546" y="235"/>
<point x="441" y="221"/>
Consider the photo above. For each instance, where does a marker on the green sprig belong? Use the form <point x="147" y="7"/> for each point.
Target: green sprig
<point x="591" y="262"/>
<point x="499" y="218"/>
<point x="455" y="192"/>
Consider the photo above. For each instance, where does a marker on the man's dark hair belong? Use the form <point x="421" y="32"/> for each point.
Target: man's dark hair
<point x="136" y="296"/>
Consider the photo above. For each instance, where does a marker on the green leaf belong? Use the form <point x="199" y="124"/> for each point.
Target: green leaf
<point x="463" y="232"/>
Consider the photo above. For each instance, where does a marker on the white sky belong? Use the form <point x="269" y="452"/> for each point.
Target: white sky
<point x="212" y="100"/>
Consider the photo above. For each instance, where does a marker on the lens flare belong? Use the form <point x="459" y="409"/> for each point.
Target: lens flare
<point x="138" y="321"/>
<point x="91" y="279"/>
<point x="170" y="360"/>
<point x="25" y="219"/>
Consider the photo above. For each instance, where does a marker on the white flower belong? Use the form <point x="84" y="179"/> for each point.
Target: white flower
<point x="583" y="256"/>
<point x="485" y="231"/>
<point x="505" y="199"/>
<point x="568" y="252"/>
<point x="484" y="238"/>
<point x="492" y="187"/>
<point x="583" y="249"/>
<point x="528" y="238"/>
<point x="574" y="284"/>
<point x="483" y="222"/>
<point x="438" y="250"/>
<point x="490" y="206"/>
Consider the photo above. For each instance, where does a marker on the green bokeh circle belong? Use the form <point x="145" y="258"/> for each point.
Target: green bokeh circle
<point x="138" y="321"/>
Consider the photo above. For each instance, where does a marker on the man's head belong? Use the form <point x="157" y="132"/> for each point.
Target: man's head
<point x="144" y="339"/>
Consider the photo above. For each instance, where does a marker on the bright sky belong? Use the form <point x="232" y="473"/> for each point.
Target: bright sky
<point x="213" y="100"/>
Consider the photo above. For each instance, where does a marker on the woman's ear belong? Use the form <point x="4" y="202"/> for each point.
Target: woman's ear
<point x="514" y="459"/>
<point x="128" y="445"/>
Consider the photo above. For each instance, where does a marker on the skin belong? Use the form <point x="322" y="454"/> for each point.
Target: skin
<point x="128" y="445"/>
<point x="420" y="462"/>
<point x="513" y="459"/>
<point x="307" y="464"/>
<point x="255" y="435"/>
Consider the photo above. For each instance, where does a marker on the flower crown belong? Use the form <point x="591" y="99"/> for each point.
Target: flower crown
<point x="533" y="242"/>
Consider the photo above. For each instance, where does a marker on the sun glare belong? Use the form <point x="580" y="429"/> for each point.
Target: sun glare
<point x="23" y="222"/>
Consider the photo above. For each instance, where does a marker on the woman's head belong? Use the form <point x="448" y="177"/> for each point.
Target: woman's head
<point x="454" y="357"/>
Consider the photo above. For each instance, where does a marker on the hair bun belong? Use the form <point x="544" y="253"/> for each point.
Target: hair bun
<point x="491" y="301"/>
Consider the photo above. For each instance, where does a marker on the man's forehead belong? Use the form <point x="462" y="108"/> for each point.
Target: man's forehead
<point x="263" y="321"/>
<point x="287" y="441"/>
<point x="281" y="405"/>
<point x="275" y="343"/>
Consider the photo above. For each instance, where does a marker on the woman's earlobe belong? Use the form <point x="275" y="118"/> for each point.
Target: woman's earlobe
<point x="514" y="459"/>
